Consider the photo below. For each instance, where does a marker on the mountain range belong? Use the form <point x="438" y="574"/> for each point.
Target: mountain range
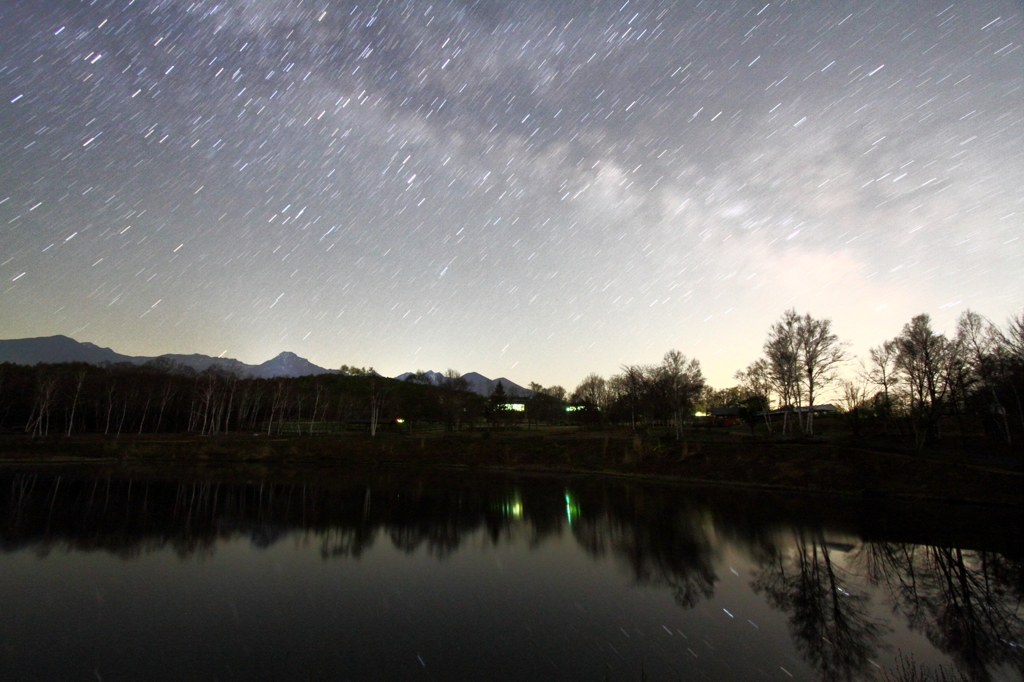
<point x="56" y="349"/>
<point x="478" y="383"/>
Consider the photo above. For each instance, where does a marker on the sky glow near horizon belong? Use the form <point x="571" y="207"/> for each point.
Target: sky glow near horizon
<point x="534" y="190"/>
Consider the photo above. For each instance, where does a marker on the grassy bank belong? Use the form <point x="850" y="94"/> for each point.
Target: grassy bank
<point x="831" y="467"/>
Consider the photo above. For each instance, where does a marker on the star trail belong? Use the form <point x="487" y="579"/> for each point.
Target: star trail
<point x="532" y="189"/>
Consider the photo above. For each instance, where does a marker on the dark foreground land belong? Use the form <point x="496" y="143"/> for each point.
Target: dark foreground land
<point x="830" y="467"/>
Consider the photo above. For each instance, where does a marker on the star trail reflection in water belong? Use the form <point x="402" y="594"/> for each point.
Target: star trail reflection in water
<point x="467" y="577"/>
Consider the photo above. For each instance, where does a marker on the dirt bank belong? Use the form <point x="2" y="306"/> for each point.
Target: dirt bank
<point x="821" y="467"/>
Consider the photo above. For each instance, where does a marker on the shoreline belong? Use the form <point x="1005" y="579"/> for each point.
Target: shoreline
<point x="812" y="467"/>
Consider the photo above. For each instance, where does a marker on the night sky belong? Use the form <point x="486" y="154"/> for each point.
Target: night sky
<point x="531" y="189"/>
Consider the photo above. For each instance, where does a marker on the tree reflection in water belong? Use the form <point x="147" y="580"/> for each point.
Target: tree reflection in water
<point x="664" y="541"/>
<point x="967" y="602"/>
<point x="828" y="614"/>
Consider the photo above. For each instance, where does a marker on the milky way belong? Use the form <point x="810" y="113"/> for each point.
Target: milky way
<point x="530" y="189"/>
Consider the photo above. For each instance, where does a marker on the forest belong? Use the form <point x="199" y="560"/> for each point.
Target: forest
<point x="921" y="386"/>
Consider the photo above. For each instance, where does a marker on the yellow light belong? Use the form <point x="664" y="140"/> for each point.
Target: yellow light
<point x="513" y="508"/>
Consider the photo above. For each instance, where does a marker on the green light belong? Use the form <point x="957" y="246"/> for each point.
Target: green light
<point x="571" y="508"/>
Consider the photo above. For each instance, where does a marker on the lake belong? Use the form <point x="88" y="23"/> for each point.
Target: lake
<point x="453" y="576"/>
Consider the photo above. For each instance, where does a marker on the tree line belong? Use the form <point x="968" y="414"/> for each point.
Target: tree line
<point x="162" y="396"/>
<point x="913" y="385"/>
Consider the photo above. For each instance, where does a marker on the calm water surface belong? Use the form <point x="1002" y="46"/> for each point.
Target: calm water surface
<point x="452" y="577"/>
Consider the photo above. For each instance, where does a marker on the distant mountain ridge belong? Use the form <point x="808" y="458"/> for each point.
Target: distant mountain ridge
<point x="58" y="349"/>
<point x="478" y="383"/>
<point x="55" y="349"/>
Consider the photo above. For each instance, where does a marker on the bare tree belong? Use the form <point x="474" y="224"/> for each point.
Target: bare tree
<point x="278" y="401"/>
<point x="756" y="382"/>
<point x="230" y="380"/>
<point x="110" y="390"/>
<point x="1010" y="353"/>
<point x="79" y="382"/>
<point x="631" y="386"/>
<point x="556" y="392"/>
<point x="593" y="393"/>
<point x="820" y="354"/>
<point x="1013" y="337"/>
<point x="318" y="393"/>
<point x="206" y="388"/>
<point x="921" y="358"/>
<point x="883" y="374"/>
<point x="145" y="409"/>
<point x="854" y="394"/>
<point x="593" y="390"/>
<point x="782" y="351"/>
<point x="683" y="382"/>
<point x="979" y="341"/>
<point x="802" y="354"/>
<point x="379" y="392"/>
<point x="452" y="396"/>
<point x="166" y="394"/>
<point x="45" y="393"/>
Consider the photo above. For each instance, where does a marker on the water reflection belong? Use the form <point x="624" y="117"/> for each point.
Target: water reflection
<point x="842" y="593"/>
<point x="829" y="616"/>
<point x="663" y="539"/>
<point x="967" y="602"/>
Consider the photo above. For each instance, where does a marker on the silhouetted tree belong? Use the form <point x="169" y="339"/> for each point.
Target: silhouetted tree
<point x="592" y="396"/>
<point x="820" y="354"/>
<point x="884" y="375"/>
<point x="44" y="397"/>
<point x="782" y="351"/>
<point x="1009" y="351"/>
<point x="682" y="382"/>
<point x="545" y="404"/>
<point x="379" y="392"/>
<point x="852" y="400"/>
<point x="452" y="395"/>
<point x="756" y="382"/>
<point x="922" y="359"/>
